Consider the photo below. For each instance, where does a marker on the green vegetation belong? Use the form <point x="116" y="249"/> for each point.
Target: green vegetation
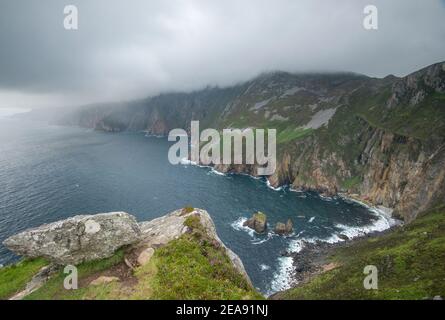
<point x="187" y="210"/>
<point x="195" y="266"/>
<point x="14" y="278"/>
<point x="290" y="134"/>
<point x="54" y="288"/>
<point x="420" y="121"/>
<point x="410" y="263"/>
<point x="260" y="217"/>
<point x="350" y="183"/>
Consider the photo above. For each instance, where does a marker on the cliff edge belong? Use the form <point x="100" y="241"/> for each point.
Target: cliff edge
<point x="177" y="256"/>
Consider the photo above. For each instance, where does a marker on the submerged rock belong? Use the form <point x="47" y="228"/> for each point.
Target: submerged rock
<point x="282" y="228"/>
<point x="343" y="237"/>
<point x="258" y="222"/>
<point x="77" y="239"/>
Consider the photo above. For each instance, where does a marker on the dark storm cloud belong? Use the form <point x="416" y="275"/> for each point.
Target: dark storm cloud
<point x="130" y="49"/>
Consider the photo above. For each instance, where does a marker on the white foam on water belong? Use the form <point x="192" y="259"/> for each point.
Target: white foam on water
<point x="238" y="225"/>
<point x="311" y="219"/>
<point x="272" y="187"/>
<point x="186" y="161"/>
<point x="282" y="278"/>
<point x="218" y="173"/>
<point x="382" y="222"/>
<point x="264" y="267"/>
<point x="326" y="198"/>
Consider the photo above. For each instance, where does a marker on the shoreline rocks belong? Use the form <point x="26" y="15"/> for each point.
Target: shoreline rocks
<point x="258" y="222"/>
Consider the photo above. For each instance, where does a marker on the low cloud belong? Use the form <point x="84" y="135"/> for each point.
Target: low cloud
<point x="131" y="49"/>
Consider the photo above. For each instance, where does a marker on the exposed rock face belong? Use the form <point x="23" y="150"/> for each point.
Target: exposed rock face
<point x="258" y="222"/>
<point x="283" y="229"/>
<point x="77" y="239"/>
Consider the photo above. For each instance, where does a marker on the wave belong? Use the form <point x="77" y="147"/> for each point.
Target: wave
<point x="272" y="187"/>
<point x="282" y="278"/>
<point x="238" y="225"/>
<point x="219" y="173"/>
<point x="264" y="267"/>
<point x="186" y="161"/>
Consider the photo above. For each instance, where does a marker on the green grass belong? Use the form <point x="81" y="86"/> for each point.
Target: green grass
<point x="54" y="288"/>
<point x="197" y="267"/>
<point x="351" y="182"/>
<point x="410" y="263"/>
<point x="291" y="134"/>
<point x="260" y="216"/>
<point x="14" y="278"/>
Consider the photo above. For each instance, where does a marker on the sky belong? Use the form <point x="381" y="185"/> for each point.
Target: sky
<point x="131" y="49"/>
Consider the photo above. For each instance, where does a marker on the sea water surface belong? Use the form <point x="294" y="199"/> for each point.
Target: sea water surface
<point x="48" y="173"/>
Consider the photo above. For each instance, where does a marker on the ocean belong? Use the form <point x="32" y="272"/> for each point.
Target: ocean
<point x="49" y="172"/>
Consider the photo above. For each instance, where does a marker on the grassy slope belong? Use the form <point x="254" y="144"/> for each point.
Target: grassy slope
<point x="410" y="263"/>
<point x="191" y="267"/>
<point x="14" y="278"/>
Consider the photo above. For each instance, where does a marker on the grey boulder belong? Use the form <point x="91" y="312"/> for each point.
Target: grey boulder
<point x="77" y="239"/>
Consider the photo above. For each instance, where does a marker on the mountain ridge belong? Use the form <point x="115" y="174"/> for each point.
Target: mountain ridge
<point x="381" y="139"/>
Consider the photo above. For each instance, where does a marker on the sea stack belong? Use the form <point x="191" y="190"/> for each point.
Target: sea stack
<point x="258" y="222"/>
<point x="283" y="229"/>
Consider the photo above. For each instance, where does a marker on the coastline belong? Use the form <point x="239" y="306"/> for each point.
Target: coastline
<point x="306" y="258"/>
<point x="313" y="258"/>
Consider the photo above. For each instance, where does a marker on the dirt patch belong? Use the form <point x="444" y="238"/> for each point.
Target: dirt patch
<point x="121" y="271"/>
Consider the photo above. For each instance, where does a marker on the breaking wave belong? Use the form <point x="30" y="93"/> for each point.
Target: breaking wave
<point x="282" y="277"/>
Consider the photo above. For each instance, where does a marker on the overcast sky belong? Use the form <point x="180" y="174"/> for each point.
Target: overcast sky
<point x="136" y="48"/>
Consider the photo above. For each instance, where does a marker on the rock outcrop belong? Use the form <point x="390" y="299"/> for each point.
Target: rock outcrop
<point x="86" y="238"/>
<point x="77" y="239"/>
<point x="258" y="222"/>
<point x="284" y="228"/>
<point x="158" y="232"/>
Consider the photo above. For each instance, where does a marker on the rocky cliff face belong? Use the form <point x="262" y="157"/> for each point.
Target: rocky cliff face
<point x="382" y="139"/>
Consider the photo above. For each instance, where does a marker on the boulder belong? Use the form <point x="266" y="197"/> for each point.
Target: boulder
<point x="282" y="228"/>
<point x="145" y="256"/>
<point x="77" y="239"/>
<point x="258" y="222"/>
